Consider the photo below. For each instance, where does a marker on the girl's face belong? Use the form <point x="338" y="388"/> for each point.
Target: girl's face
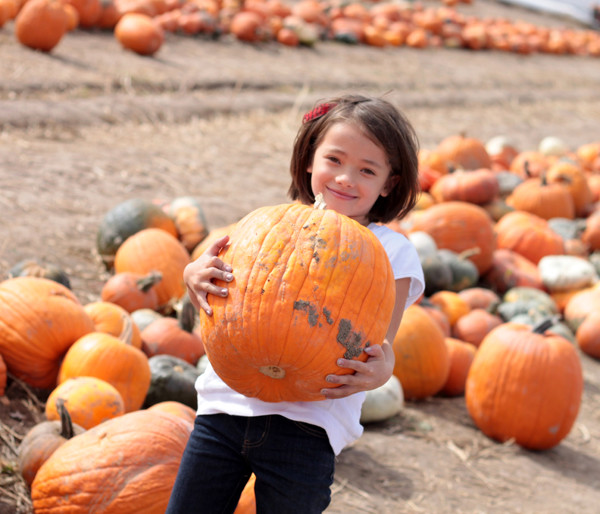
<point x="350" y="170"/>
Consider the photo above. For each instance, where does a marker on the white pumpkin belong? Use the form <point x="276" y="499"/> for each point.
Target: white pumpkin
<point x="553" y="146"/>
<point x="566" y="272"/>
<point x="384" y="402"/>
<point x="424" y="243"/>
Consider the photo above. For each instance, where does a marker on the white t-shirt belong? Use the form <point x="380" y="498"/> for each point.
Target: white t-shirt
<point x="340" y="417"/>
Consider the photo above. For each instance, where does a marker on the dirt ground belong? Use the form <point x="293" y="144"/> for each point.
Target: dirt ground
<point x="90" y="125"/>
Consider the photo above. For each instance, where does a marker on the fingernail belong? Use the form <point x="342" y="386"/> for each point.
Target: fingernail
<point x="229" y="277"/>
<point x="328" y="378"/>
<point x="340" y="362"/>
<point x="224" y="292"/>
<point x="228" y="268"/>
<point x="209" y="312"/>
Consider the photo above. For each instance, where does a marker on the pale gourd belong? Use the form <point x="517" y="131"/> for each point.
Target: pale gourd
<point x="566" y="272"/>
<point x="383" y="403"/>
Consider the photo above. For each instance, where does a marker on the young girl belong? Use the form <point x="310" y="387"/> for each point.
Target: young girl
<point x="361" y="154"/>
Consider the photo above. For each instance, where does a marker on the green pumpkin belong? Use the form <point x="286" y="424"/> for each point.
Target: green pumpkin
<point x="464" y="272"/>
<point x="172" y="379"/>
<point x="125" y="220"/>
<point x="32" y="268"/>
<point x="437" y="273"/>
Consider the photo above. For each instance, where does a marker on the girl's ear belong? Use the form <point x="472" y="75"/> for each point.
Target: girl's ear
<point x="391" y="183"/>
<point x="309" y="169"/>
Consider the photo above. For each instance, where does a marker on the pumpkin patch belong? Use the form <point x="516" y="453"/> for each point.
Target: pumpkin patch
<point x="90" y="125"/>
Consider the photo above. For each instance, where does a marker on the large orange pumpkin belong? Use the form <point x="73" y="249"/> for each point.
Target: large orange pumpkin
<point x="310" y="286"/>
<point x="459" y="226"/>
<point x="422" y="358"/>
<point x="126" y="464"/>
<point x="39" y="320"/>
<point x="525" y="384"/>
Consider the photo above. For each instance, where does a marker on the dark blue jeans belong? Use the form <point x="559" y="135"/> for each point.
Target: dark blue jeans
<point x="293" y="463"/>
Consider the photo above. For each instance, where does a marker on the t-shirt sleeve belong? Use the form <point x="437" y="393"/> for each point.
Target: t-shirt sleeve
<point x="404" y="260"/>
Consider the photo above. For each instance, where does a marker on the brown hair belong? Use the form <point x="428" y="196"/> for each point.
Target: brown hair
<point x="386" y="127"/>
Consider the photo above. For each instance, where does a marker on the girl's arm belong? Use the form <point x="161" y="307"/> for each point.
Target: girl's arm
<point x="378" y="367"/>
<point x="199" y="275"/>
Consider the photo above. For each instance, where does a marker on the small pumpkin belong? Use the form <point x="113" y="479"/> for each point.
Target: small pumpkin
<point x="89" y="400"/>
<point x="104" y="356"/>
<point x="41" y="24"/>
<point x="566" y="272"/>
<point x="437" y="273"/>
<point x="451" y="303"/>
<point x="153" y="249"/>
<point x="42" y="440"/>
<point x="518" y="370"/>
<point x="459" y="226"/>
<point x="174" y="336"/>
<point x="461" y="355"/>
<point x="328" y="295"/>
<point x="461" y="151"/>
<point x="132" y="291"/>
<point x="510" y="269"/>
<point x="422" y="361"/>
<point x="478" y="297"/>
<point x="580" y="305"/>
<point x="479" y="186"/>
<point x="464" y="272"/>
<point x="143" y="317"/>
<point x="112" y="319"/>
<point x="172" y="379"/>
<point x="588" y="335"/>
<point x="126" y="219"/>
<point x="475" y="325"/>
<point x="188" y="214"/>
<point x="138" y="32"/>
<point x="138" y="454"/>
<point x="542" y="198"/>
<point x="383" y="402"/>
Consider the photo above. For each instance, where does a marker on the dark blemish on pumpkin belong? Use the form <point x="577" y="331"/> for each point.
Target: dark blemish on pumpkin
<point x="313" y="316"/>
<point x="349" y="339"/>
<point x="327" y="314"/>
<point x="262" y="291"/>
<point x="316" y="257"/>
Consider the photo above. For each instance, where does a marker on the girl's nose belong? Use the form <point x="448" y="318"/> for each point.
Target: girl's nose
<point x="344" y="179"/>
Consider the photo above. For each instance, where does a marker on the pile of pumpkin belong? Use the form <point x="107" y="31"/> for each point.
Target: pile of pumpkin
<point x="509" y="243"/>
<point x="140" y="25"/>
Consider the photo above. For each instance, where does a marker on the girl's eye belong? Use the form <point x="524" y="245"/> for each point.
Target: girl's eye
<point x="368" y="171"/>
<point x="333" y="159"/>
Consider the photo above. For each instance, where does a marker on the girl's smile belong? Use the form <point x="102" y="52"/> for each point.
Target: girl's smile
<point x="350" y="170"/>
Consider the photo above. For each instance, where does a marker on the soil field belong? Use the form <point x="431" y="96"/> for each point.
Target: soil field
<point x="90" y="125"/>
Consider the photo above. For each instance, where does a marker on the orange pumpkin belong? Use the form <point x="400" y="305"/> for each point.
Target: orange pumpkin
<point x="591" y="234"/>
<point x="41" y="24"/>
<point x="325" y="283"/>
<point x="480" y="298"/>
<point x="170" y="336"/>
<point x="153" y="249"/>
<point x="138" y="33"/>
<point x="104" y="356"/>
<point x="461" y="354"/>
<point x="478" y="186"/>
<point x="249" y="26"/>
<point x="451" y="304"/>
<point x="138" y="454"/>
<point x="546" y="200"/>
<point x="422" y="360"/>
<point x="518" y="370"/>
<point x="461" y="151"/>
<point x="175" y="408"/>
<point x="575" y="179"/>
<point x="581" y="304"/>
<point x="588" y="335"/>
<point x="39" y="320"/>
<point x="112" y="319"/>
<point x="458" y="226"/>
<point x="475" y="325"/>
<point x="132" y="291"/>
<point x="528" y="235"/>
<point x="89" y="400"/>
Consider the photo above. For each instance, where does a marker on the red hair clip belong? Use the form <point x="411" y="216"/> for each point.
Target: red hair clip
<point x="317" y="112"/>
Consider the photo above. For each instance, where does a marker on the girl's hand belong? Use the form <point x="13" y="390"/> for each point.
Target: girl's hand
<point x="199" y="275"/>
<point x="368" y="375"/>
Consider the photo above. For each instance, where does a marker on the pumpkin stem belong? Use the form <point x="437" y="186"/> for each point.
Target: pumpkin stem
<point x="545" y="324"/>
<point x="145" y="283"/>
<point x="527" y="169"/>
<point x="66" y="424"/>
<point x="319" y="203"/>
<point x="187" y="316"/>
<point x="127" y="330"/>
